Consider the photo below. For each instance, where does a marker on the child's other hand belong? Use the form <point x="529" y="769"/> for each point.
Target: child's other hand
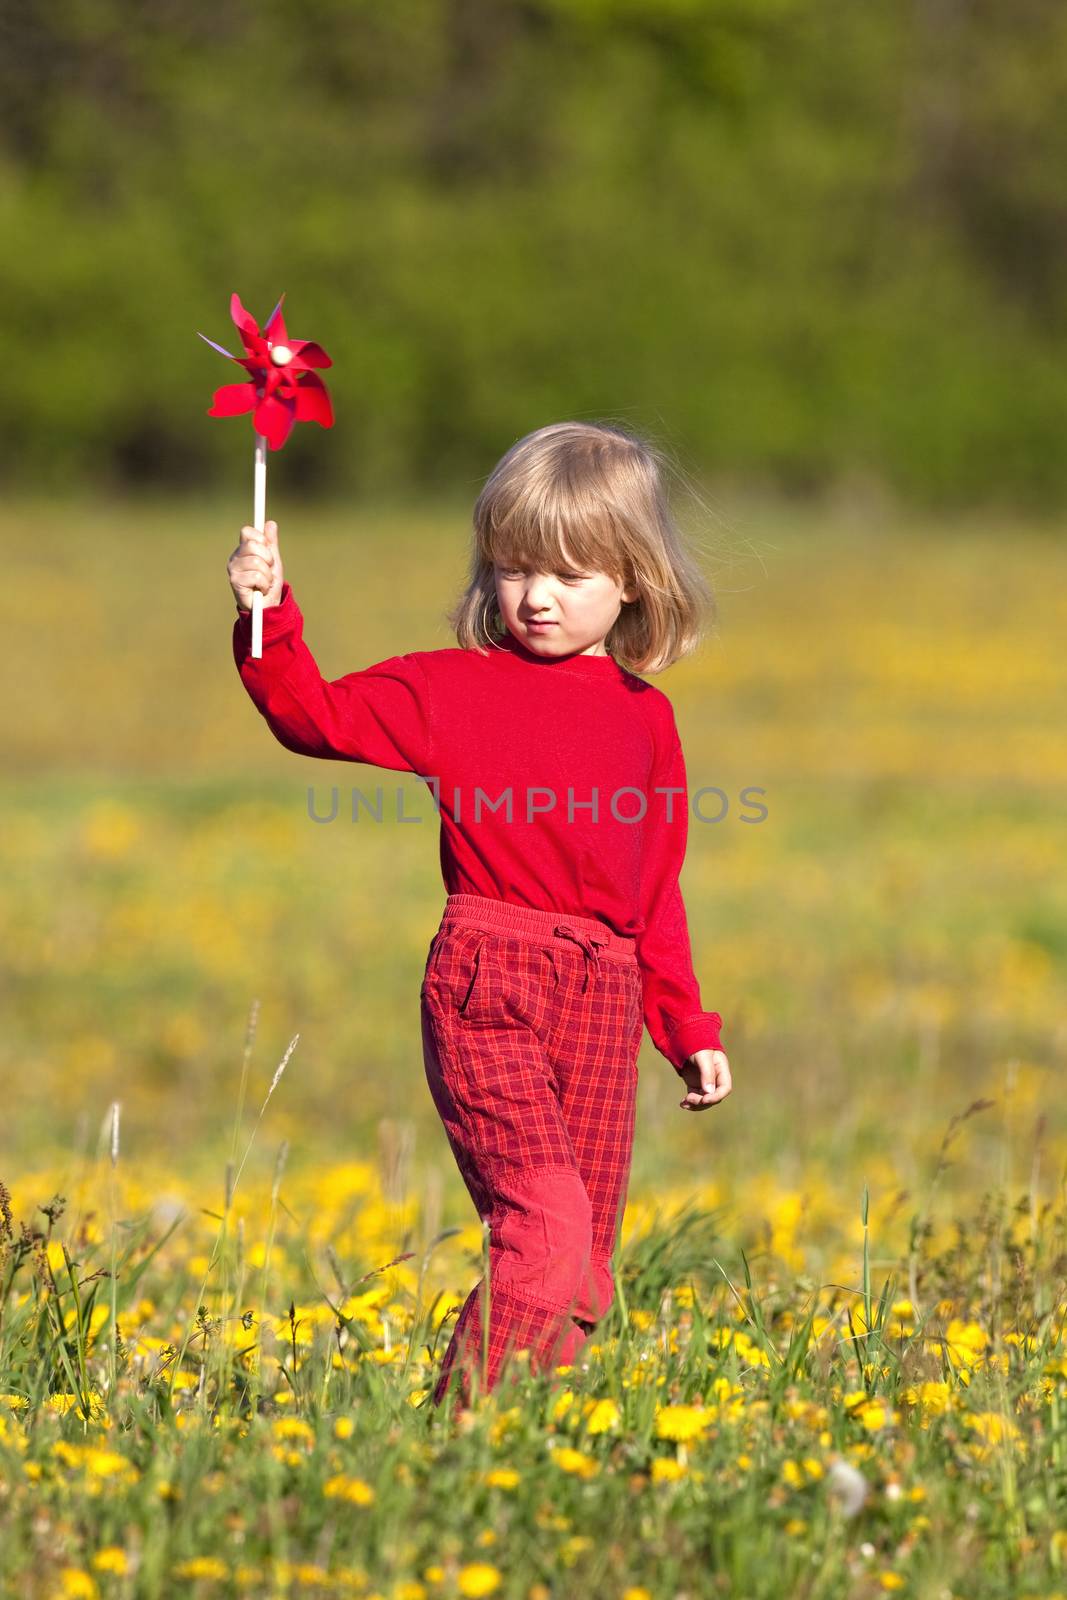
<point x="707" y="1078"/>
<point x="256" y="564"/>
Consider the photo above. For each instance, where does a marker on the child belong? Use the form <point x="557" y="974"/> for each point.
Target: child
<point x="561" y="788"/>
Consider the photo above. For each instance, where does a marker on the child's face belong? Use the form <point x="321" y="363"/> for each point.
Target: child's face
<point x="559" y="613"/>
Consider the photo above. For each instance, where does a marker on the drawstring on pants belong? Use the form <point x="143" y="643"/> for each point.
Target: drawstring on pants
<point x="588" y="943"/>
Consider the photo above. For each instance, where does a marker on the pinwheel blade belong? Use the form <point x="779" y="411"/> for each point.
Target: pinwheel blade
<point x="243" y="320"/>
<point x="269" y="324"/>
<point x="313" y="402"/>
<point x="217" y="347"/>
<point x="274" y="419"/>
<point x="233" y="400"/>
<point x="310" y="353"/>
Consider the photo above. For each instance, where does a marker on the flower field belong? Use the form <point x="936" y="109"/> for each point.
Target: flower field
<point x="232" y="1240"/>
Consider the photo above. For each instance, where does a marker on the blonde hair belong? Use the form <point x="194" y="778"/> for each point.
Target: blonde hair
<point x="602" y="489"/>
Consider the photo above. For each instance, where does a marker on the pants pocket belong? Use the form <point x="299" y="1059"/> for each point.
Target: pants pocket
<point x="458" y="974"/>
<point x="472" y="985"/>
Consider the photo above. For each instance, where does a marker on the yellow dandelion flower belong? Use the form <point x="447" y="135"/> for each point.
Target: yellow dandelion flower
<point x="572" y="1549"/>
<point x="637" y="1594"/>
<point x="873" y="1414"/>
<point x="900" y="1327"/>
<point x="13" y="1435"/>
<point x="292" y="1428"/>
<point x="344" y="1428"/>
<point x="681" y="1422"/>
<point x="354" y="1490"/>
<point x="112" y="1558"/>
<point x="477" y="1578"/>
<point x="561" y="1405"/>
<point x="76" y="1584"/>
<point x="575" y="1461"/>
<point x="201" y="1567"/>
<point x="602" y="1415"/>
<point x="502" y="1478"/>
<point x="891" y="1580"/>
<point x="798" y="1473"/>
<point x="62" y="1403"/>
<point x="109" y="1464"/>
<point x="933" y="1396"/>
<point x="723" y="1390"/>
<point x="666" y="1470"/>
<point x="965" y="1341"/>
<point x="992" y="1427"/>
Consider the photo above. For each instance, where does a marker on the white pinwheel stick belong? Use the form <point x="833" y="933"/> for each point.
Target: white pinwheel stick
<point x="259" y="522"/>
<point x="281" y="356"/>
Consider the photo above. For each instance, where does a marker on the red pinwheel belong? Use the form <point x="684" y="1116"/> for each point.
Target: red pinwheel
<point x="281" y="387"/>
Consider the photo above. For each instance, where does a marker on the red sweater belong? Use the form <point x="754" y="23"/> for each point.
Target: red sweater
<point x="555" y="735"/>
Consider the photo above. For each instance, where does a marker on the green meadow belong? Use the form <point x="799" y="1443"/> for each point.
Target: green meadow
<point x="836" y="1363"/>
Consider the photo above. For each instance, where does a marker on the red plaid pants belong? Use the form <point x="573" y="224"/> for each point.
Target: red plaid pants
<point x="531" y="1027"/>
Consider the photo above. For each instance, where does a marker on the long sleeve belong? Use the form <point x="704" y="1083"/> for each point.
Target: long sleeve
<point x="379" y="715"/>
<point x="676" y="1022"/>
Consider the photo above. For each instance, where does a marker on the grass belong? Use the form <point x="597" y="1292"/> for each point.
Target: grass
<point x="221" y="1306"/>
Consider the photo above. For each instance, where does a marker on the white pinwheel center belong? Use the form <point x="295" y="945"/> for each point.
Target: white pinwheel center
<point x="281" y="355"/>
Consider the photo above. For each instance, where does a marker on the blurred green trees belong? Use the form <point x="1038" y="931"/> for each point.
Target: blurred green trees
<point x="790" y="238"/>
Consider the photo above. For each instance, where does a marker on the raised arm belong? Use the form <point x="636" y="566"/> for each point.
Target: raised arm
<point x="674" y="1017"/>
<point x="379" y="715"/>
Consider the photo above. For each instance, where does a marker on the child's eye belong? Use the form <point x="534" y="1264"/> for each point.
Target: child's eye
<point x="519" y="572"/>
